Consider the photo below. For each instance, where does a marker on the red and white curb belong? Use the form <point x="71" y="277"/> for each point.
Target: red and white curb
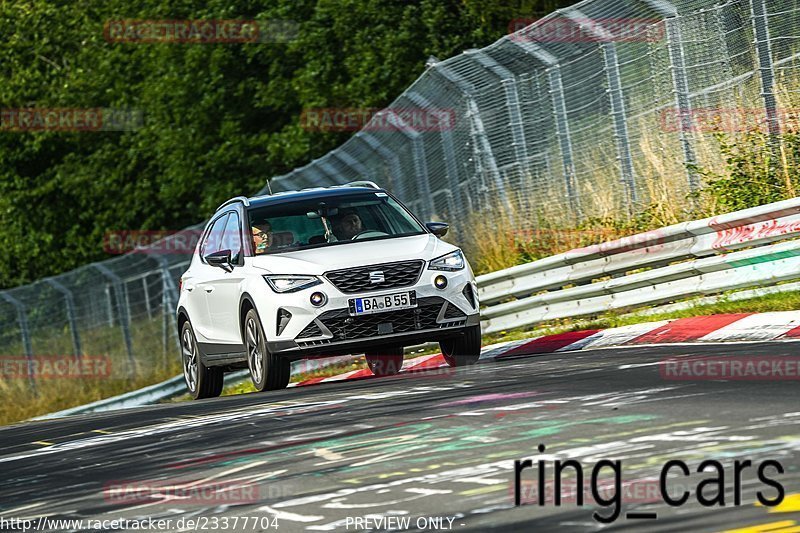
<point x="739" y="327"/>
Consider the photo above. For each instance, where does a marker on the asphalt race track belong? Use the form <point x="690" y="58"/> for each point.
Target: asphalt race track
<point x="428" y="447"/>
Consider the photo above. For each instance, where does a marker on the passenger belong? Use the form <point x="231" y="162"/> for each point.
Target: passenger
<point x="263" y="237"/>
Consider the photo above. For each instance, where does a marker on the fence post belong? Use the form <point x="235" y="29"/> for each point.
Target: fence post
<point x="758" y="9"/>
<point x="169" y="295"/>
<point x="391" y="159"/>
<point x="680" y="85"/>
<point x="616" y="99"/>
<point x="109" y="306"/>
<point x="420" y="164"/>
<point x="125" y="322"/>
<point x="329" y="170"/>
<point x="556" y="88"/>
<point x="448" y="151"/>
<point x="353" y="163"/>
<point x="482" y="147"/>
<point x="509" y="82"/>
<point x="22" y="320"/>
<point x="620" y="121"/>
<point x="147" y="298"/>
<point x="70" y="305"/>
<point x="317" y="177"/>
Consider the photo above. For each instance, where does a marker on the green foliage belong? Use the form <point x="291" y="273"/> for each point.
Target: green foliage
<point x="758" y="171"/>
<point x="218" y="119"/>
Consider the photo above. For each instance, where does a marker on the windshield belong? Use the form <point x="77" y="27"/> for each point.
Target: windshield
<point x="332" y="221"/>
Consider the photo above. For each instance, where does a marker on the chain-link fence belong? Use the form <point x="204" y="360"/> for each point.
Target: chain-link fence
<point x="596" y="110"/>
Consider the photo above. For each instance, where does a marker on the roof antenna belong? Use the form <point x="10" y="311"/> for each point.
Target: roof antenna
<point x="269" y="187"/>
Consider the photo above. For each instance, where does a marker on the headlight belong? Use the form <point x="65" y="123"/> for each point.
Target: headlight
<point x="449" y="262"/>
<point x="291" y="283"/>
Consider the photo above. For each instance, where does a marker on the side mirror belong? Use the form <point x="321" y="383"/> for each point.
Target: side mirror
<point x="220" y="259"/>
<point x="438" y="228"/>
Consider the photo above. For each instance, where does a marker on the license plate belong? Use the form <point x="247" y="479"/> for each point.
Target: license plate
<point x="379" y="304"/>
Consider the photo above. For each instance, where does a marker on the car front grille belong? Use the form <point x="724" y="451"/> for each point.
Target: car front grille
<point x="361" y="279"/>
<point x="345" y="327"/>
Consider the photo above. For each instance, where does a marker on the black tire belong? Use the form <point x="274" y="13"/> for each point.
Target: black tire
<point x="201" y="381"/>
<point x="267" y="370"/>
<point x="385" y="361"/>
<point x="463" y="350"/>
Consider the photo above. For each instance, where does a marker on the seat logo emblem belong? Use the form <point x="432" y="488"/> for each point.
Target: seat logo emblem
<point x="376" y="277"/>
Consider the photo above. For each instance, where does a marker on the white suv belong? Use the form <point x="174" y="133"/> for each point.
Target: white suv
<point x="316" y="273"/>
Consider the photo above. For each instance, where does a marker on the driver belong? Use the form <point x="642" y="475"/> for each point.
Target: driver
<point x="347" y="225"/>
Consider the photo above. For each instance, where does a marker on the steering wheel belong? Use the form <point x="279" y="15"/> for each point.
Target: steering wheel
<point x="368" y="232"/>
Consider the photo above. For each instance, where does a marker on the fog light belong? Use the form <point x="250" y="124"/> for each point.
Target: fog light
<point x="318" y="299"/>
<point x="284" y="317"/>
<point x="440" y="282"/>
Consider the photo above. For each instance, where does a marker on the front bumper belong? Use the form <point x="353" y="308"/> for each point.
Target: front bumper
<point x="330" y="330"/>
<point x="293" y="350"/>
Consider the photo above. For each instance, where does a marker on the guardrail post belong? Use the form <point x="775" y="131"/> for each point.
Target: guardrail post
<point x="22" y="320"/>
<point x="391" y="159"/>
<point x="766" y="68"/>
<point x="70" y="305"/>
<point x="556" y="89"/>
<point x="125" y="322"/>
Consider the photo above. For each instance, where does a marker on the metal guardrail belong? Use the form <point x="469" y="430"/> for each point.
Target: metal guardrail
<point x="687" y="259"/>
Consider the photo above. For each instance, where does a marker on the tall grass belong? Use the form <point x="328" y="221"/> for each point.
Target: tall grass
<point x="737" y="169"/>
<point x="48" y="394"/>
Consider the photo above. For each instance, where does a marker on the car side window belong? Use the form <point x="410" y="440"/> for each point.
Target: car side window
<point x="213" y="241"/>
<point x="232" y="239"/>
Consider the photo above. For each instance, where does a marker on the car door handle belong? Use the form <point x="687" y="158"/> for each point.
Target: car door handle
<point x="208" y="289"/>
